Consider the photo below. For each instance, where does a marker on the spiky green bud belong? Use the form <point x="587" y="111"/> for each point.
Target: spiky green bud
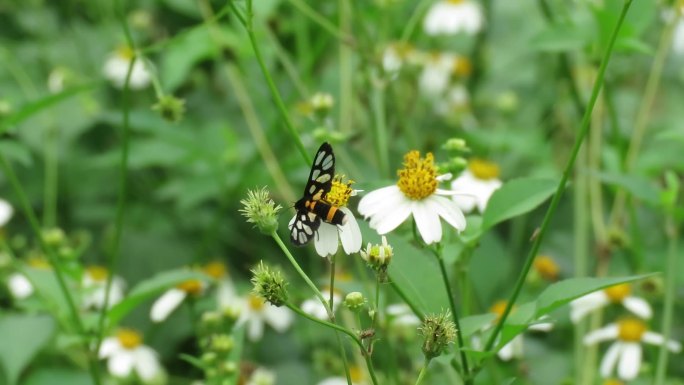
<point x="438" y="331"/>
<point x="261" y="210"/>
<point x="170" y="108"/>
<point x="269" y="284"/>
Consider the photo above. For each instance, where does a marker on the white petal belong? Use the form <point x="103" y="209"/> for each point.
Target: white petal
<point x="121" y="364"/>
<point x="427" y="222"/>
<point x="373" y="199"/>
<point x="449" y="211"/>
<point x="382" y="204"/>
<point x="386" y="222"/>
<point x="166" y="304"/>
<point x="608" y="332"/>
<point x="315" y="308"/>
<point x="630" y="361"/>
<point x="587" y="304"/>
<point x="657" y="339"/>
<point x="255" y="328"/>
<point x="19" y="286"/>
<point x="350" y="233"/>
<point x="280" y="318"/>
<point x="109" y="346"/>
<point x="506" y="353"/>
<point x="146" y="363"/>
<point x="6" y="212"/>
<point x="638" y="306"/>
<point x="541" y="327"/>
<point x="225" y="293"/>
<point x="610" y="359"/>
<point x="334" y="381"/>
<point x="325" y="239"/>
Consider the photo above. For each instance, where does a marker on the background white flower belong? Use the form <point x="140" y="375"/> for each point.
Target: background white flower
<point x="415" y="194"/>
<point x="476" y="185"/>
<point x="262" y="376"/>
<point x="614" y="294"/>
<point x="449" y="17"/>
<point x="95" y="284"/>
<point x="172" y="298"/>
<point x="6" y="212"/>
<point x="255" y="313"/>
<point x="116" y="68"/>
<point x="19" y="286"/>
<point x="401" y="314"/>
<point x="315" y="308"/>
<point x="126" y="355"/>
<point x="626" y="351"/>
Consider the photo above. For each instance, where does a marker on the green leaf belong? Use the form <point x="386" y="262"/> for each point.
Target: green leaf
<point x="16" y="151"/>
<point x="474" y="323"/>
<point x="57" y="375"/>
<point x="46" y="285"/>
<point x="517" y="197"/>
<point x="561" y="293"/>
<point x="22" y="337"/>
<point x="36" y="106"/>
<point x="638" y="186"/>
<point x="150" y="288"/>
<point x="183" y="52"/>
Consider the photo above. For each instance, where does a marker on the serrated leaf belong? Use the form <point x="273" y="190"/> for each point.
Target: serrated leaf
<point x="150" y="288"/>
<point x="517" y="197"/>
<point x="22" y="337"/>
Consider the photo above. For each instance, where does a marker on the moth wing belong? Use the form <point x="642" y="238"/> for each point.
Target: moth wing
<point x="303" y="227"/>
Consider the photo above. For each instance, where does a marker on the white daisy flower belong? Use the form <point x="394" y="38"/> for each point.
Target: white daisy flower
<point x="262" y="376"/>
<point x="225" y="289"/>
<point x="329" y="236"/>
<point x="514" y="348"/>
<point x="315" y="308"/>
<point x="56" y="79"/>
<point x="255" y="313"/>
<point x="357" y="375"/>
<point x="455" y="100"/>
<point x="477" y="183"/>
<point x="19" y="286"/>
<point x="6" y="212"/>
<point x="94" y="282"/>
<point x="450" y="17"/>
<point x="127" y="356"/>
<point x="626" y="352"/>
<point x="678" y="39"/>
<point x="396" y="55"/>
<point x="116" y="68"/>
<point x="416" y="194"/>
<point x="436" y="74"/>
<point x="614" y="294"/>
<point x="172" y="298"/>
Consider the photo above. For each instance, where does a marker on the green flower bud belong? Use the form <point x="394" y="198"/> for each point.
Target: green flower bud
<point x="354" y="301"/>
<point x="261" y="210"/>
<point x="170" y="108"/>
<point x="456" y="144"/>
<point x="269" y="284"/>
<point x="222" y="343"/>
<point x="378" y="257"/>
<point x="54" y="237"/>
<point x="438" y="331"/>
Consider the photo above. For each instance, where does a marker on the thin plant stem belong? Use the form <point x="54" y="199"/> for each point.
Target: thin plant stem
<point x="302" y="274"/>
<point x="324" y="23"/>
<point x="345" y="362"/>
<point x="51" y="147"/>
<point x="581" y="246"/>
<point x="380" y="125"/>
<point x="423" y="370"/>
<point x="594" y="166"/>
<point x="346" y="71"/>
<point x="344" y="330"/>
<point x="584" y="128"/>
<point x="671" y="229"/>
<point x="54" y="261"/>
<point x="332" y="282"/>
<point x="644" y="112"/>
<point x="416" y="17"/>
<point x="249" y="27"/>
<point x="404" y="297"/>
<point x="454" y="314"/>
<point x="478" y="53"/>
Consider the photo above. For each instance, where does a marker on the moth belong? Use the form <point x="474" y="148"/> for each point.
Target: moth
<point x="312" y="208"/>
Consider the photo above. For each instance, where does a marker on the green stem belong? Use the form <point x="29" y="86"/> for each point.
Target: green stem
<point x="54" y="261"/>
<point x="344" y="330"/>
<point x="416" y="17"/>
<point x="249" y="27"/>
<point x="581" y="246"/>
<point x="404" y="297"/>
<point x="346" y="71"/>
<point x="584" y="128"/>
<point x="454" y="313"/>
<point x="423" y="370"/>
<point x="51" y="177"/>
<point x="332" y="282"/>
<point x="324" y="23"/>
<point x="670" y="295"/>
<point x="301" y="272"/>
<point x="380" y="125"/>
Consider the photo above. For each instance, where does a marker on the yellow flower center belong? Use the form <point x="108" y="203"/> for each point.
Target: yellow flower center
<point x="403" y="49"/>
<point x="255" y="303"/>
<point x="129" y="338"/>
<point x="498" y="308"/>
<point x="356" y="374"/>
<point x="455" y="1"/>
<point x="463" y="66"/>
<point x="216" y="269"/>
<point x="546" y="267"/>
<point x="39" y="263"/>
<point x="483" y="169"/>
<point x="340" y="192"/>
<point x="191" y="286"/>
<point x="97" y="273"/>
<point x="125" y="52"/>
<point x="418" y="178"/>
<point x="612" y="381"/>
<point x="631" y="330"/>
<point x="618" y="292"/>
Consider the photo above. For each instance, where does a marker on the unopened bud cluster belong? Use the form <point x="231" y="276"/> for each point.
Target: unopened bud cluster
<point x="438" y="331"/>
<point x="170" y="108"/>
<point x="261" y="210"/>
<point x="269" y="284"/>
<point x="217" y="343"/>
<point x="378" y="257"/>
